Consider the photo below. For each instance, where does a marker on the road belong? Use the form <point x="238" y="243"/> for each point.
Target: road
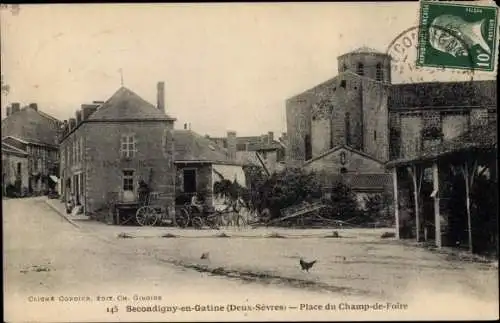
<point x="83" y="268"/>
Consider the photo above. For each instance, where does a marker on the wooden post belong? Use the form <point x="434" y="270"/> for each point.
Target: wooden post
<point x="396" y="199"/>
<point x="416" y="189"/>
<point x="469" y="180"/>
<point x="437" y="215"/>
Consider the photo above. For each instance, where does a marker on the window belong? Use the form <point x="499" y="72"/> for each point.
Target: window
<point x="347" y="128"/>
<point x="128" y="180"/>
<point x="189" y="180"/>
<point x="344" y="68"/>
<point x="18" y="168"/>
<point x="343" y="170"/>
<point x="343" y="84"/>
<point x="35" y="164"/>
<point x="375" y="135"/>
<point x="81" y="149"/>
<point x="128" y="146"/>
<point x="378" y="74"/>
<point x="361" y="69"/>
<point x="241" y="147"/>
<point x="308" y="147"/>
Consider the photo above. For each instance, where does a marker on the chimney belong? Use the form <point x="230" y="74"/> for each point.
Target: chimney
<point x="72" y="124"/>
<point x="160" y="96"/>
<point x="88" y="109"/>
<point x="16" y="107"/>
<point x="78" y="117"/>
<point x="8" y="111"/>
<point x="231" y="145"/>
<point x="34" y="106"/>
<point x="270" y="137"/>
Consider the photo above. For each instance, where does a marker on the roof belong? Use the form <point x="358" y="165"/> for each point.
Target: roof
<point x="334" y="149"/>
<point x="479" y="137"/>
<point x="439" y="94"/>
<point x="6" y="148"/>
<point x="360" y="182"/>
<point x="319" y="89"/>
<point x="31" y="126"/>
<point x="192" y="147"/>
<point x="363" y="50"/>
<point x="254" y="143"/>
<point x="124" y="104"/>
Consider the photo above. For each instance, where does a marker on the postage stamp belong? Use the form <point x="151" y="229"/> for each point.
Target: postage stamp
<point x="450" y="33"/>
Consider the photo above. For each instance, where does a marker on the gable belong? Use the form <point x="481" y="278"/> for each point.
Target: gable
<point x="127" y="105"/>
<point x="344" y="157"/>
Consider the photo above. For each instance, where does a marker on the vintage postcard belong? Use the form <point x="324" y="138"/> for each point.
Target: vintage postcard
<point x="249" y="162"/>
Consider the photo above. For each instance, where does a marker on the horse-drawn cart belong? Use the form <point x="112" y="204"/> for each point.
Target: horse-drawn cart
<point x="148" y="212"/>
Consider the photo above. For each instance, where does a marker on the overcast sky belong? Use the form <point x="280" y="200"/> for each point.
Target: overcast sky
<point x="225" y="66"/>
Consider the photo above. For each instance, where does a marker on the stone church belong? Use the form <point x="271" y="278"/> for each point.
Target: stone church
<point x="349" y="126"/>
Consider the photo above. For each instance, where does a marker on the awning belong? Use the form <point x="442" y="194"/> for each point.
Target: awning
<point x="54" y="178"/>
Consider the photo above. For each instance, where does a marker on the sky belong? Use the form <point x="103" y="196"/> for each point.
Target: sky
<point x="225" y="66"/>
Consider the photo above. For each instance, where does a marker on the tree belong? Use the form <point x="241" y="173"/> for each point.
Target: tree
<point x="342" y="203"/>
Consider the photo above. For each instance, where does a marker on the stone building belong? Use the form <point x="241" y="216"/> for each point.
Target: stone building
<point x="34" y="133"/>
<point x="110" y="146"/>
<point x="339" y="128"/>
<point x="352" y="124"/>
<point x="263" y="150"/>
<point x="200" y="163"/>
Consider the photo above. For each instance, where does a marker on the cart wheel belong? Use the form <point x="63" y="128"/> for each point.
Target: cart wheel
<point x="182" y="218"/>
<point x="146" y="216"/>
<point x="197" y="222"/>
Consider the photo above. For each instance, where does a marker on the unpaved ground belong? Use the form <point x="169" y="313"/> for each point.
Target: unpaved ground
<point x="93" y="261"/>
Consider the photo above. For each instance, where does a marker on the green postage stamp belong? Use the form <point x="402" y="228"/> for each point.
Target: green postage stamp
<point x="458" y="36"/>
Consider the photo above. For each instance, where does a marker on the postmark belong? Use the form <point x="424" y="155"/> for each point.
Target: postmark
<point x="454" y="35"/>
<point x="403" y="53"/>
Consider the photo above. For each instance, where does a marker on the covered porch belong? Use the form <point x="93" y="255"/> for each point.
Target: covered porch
<point x="447" y="194"/>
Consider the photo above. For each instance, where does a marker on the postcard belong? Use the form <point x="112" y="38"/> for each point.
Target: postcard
<point x="249" y="161"/>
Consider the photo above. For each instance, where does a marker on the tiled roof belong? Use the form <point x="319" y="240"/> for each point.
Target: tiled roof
<point x="31" y="126"/>
<point x="439" y="94"/>
<point x="190" y="146"/>
<point x="479" y="137"/>
<point x="360" y="182"/>
<point x="127" y="105"/>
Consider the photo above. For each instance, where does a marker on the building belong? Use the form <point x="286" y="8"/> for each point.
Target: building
<point x="446" y="194"/>
<point x="110" y="146"/>
<point x="200" y="163"/>
<point x="15" y="174"/>
<point x="339" y="128"/>
<point x="425" y="114"/>
<point x="34" y="133"/>
<point x="263" y="150"/>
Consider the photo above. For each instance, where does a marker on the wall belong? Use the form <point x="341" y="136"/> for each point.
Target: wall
<point x="411" y="127"/>
<point x="375" y="119"/>
<point x="454" y="125"/>
<point x="321" y="127"/>
<point x="103" y="164"/>
<point x="354" y="163"/>
<point x="298" y="120"/>
<point x="9" y="168"/>
<point x="351" y="60"/>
